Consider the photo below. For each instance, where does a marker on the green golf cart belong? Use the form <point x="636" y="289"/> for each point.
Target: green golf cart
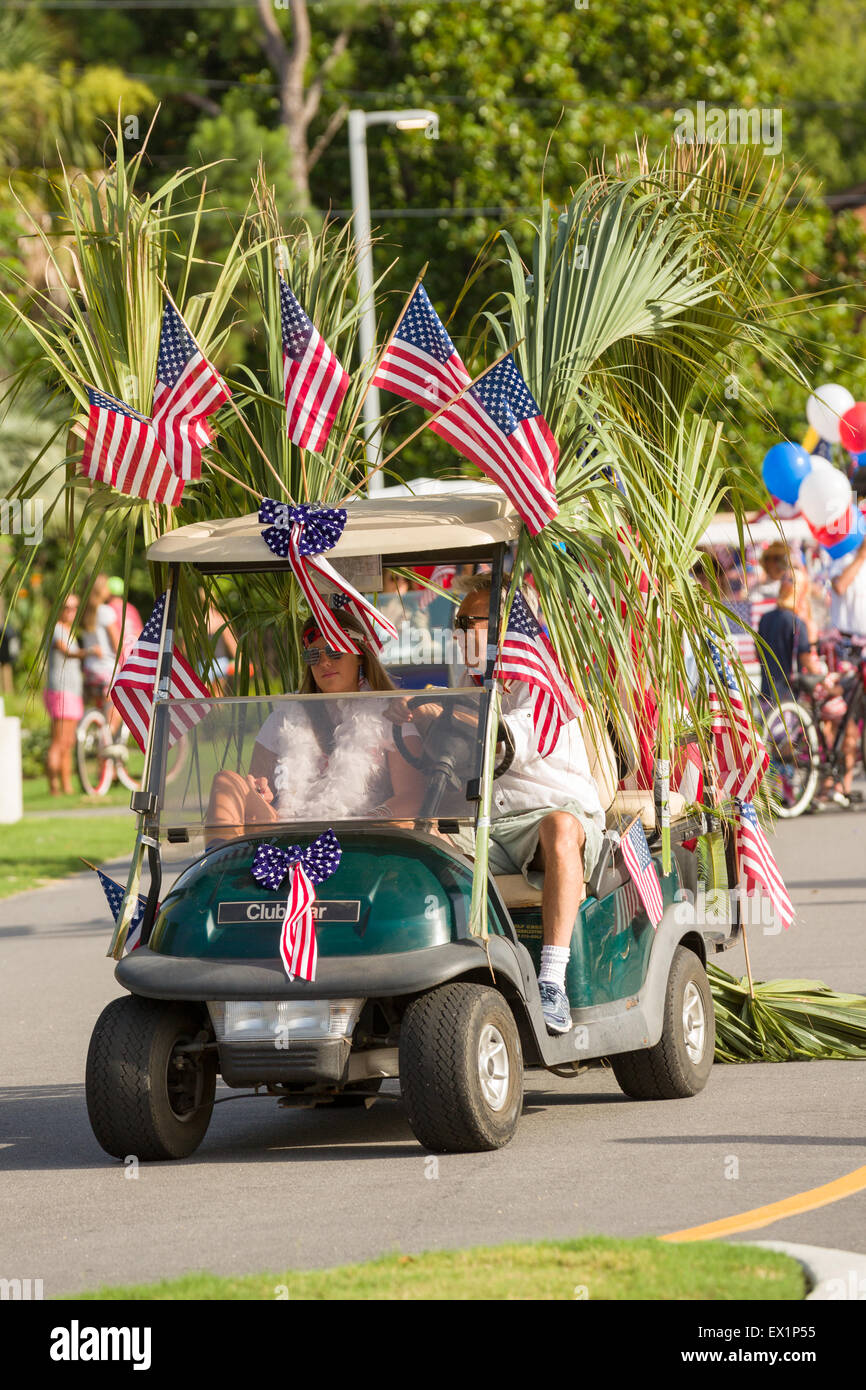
<point x="426" y="965"/>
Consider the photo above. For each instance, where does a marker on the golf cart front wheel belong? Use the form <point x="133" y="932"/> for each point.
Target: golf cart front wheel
<point x="461" y="1069"/>
<point x="679" y="1064"/>
<point x="149" y="1084"/>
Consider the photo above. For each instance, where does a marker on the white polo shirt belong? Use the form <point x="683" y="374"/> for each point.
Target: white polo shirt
<point x="533" y="782"/>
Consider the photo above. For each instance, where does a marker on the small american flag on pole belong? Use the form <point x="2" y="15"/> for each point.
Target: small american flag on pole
<point x="121" y="448"/>
<point x="638" y="861"/>
<point x="187" y="389"/>
<point x="527" y="655"/>
<point x="758" y="867"/>
<point x="132" y="691"/>
<point x="741" y="766"/>
<point x="496" y="423"/>
<point x="115" y="895"/>
<point x="314" y="382"/>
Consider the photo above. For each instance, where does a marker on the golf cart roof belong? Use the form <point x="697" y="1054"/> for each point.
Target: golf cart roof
<point x="400" y="530"/>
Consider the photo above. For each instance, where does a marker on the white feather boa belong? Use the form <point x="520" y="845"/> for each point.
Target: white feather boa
<point x="351" y="780"/>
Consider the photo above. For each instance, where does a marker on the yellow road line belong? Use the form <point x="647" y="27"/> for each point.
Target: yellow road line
<point x="776" y="1211"/>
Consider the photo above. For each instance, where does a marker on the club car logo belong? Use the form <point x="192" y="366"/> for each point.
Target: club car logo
<point x="332" y="910"/>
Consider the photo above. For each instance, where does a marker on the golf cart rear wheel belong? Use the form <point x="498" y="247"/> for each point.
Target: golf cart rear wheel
<point x="146" y="1095"/>
<point x="461" y="1069"/>
<point x="679" y="1064"/>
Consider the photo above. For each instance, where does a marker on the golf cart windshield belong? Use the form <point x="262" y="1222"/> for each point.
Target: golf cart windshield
<point x="246" y="765"/>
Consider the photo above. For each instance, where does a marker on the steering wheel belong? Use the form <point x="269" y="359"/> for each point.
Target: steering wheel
<point x="442" y="731"/>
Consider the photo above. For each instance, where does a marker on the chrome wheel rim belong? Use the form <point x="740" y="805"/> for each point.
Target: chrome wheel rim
<point x="493" y="1068"/>
<point x="694" y="1022"/>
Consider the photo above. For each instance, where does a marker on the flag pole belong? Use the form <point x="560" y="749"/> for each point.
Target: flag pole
<point x="231" y="400"/>
<point x="425" y="424"/>
<point x="130" y="897"/>
<point x="360" y="403"/>
<point x="742" y="922"/>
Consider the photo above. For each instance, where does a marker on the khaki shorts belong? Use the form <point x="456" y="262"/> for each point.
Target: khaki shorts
<point x="514" y="842"/>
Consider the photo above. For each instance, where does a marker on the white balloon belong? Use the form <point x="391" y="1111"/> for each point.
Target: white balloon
<point x="825" y="409"/>
<point x="825" y="494"/>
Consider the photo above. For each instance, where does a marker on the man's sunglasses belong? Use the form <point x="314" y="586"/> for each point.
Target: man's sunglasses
<point x="463" y="623"/>
<point x="312" y="655"/>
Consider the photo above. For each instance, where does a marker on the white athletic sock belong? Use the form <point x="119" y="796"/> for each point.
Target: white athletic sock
<point x="554" y="959"/>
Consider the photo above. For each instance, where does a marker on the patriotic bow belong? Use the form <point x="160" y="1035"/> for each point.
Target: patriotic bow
<point x="309" y="866"/>
<point x="301" y="535"/>
<point x="321" y="527"/>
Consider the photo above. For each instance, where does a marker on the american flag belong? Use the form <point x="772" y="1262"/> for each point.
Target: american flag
<point x="527" y="655"/>
<point x="741" y="766"/>
<point x="758" y="868"/>
<point x="115" y="895"/>
<point x="314" y="382"/>
<point x="638" y="861"/>
<point x="496" y="423"/>
<point x="132" y="690"/>
<point x="742" y="638"/>
<point x="187" y="389"/>
<point x="121" y="448"/>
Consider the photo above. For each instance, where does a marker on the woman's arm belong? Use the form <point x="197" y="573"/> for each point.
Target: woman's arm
<point x="263" y="763"/>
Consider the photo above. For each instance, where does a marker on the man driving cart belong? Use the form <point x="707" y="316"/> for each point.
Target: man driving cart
<point x="547" y="821"/>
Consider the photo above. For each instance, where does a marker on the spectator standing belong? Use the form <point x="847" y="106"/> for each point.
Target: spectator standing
<point x="848" y="598"/>
<point x="128" y="620"/>
<point x="63" y="699"/>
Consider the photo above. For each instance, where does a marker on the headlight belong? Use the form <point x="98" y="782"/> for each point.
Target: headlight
<point x="244" y="1020"/>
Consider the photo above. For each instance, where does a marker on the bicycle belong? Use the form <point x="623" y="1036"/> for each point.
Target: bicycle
<point x="800" y="753"/>
<point x="102" y="756"/>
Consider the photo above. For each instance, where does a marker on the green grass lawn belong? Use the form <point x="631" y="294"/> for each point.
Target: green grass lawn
<point x="32" y="852"/>
<point x="36" y="797"/>
<point x="595" y="1267"/>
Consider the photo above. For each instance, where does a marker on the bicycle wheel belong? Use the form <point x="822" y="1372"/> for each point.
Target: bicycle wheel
<point x="129" y="763"/>
<point x="792" y="743"/>
<point x="95" y="770"/>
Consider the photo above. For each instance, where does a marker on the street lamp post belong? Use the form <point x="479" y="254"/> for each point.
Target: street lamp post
<point x="415" y="119"/>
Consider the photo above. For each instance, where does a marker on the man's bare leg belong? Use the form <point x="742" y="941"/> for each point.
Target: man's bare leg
<point x="561" y="839"/>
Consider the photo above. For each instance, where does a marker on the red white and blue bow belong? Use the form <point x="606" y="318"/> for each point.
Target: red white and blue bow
<point x="313" y="865"/>
<point x="300" y="535"/>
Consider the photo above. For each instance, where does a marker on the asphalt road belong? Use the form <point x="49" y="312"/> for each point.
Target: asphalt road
<point x="271" y="1189"/>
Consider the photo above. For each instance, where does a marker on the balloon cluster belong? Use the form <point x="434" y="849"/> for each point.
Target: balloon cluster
<point x="811" y="486"/>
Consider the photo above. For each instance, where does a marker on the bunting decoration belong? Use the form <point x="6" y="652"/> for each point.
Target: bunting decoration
<point x="321" y="859"/>
<point x="300" y="535"/>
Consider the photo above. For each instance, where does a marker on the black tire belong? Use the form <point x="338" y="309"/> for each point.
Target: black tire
<point x="667" y="1071"/>
<point x="442" y="1037"/>
<point x="142" y="1099"/>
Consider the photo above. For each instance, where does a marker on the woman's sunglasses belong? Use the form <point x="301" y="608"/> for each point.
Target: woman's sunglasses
<point x="312" y="655"/>
<point x="464" y="623"/>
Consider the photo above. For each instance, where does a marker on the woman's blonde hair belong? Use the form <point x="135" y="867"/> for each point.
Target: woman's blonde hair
<point x="371" y="667"/>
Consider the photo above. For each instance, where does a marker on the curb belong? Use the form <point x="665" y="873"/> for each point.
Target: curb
<point x="833" y="1275"/>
